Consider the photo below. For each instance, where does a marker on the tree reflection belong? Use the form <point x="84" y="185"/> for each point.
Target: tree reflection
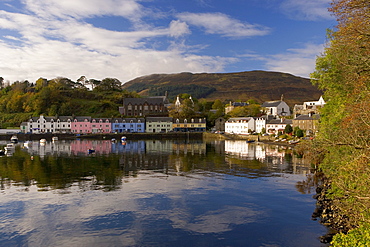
<point x="60" y="170"/>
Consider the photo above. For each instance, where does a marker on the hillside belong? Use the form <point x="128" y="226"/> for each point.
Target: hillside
<point x="258" y="85"/>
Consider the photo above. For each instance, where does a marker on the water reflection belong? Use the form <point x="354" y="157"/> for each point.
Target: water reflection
<point x="55" y="165"/>
<point x="155" y="193"/>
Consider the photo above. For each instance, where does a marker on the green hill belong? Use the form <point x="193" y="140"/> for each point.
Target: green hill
<point x="258" y="85"/>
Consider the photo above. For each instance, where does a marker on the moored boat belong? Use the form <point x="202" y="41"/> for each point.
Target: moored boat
<point x="9" y="146"/>
<point x="27" y="144"/>
<point x="90" y="151"/>
<point x="14" y="139"/>
<point x="54" y="138"/>
<point x="123" y="139"/>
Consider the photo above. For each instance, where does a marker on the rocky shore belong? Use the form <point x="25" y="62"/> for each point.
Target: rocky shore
<point x="327" y="212"/>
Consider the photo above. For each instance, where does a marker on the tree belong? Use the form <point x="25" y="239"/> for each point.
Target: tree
<point x="288" y="129"/>
<point x="299" y="133"/>
<point x="343" y="73"/>
<point x="108" y="84"/>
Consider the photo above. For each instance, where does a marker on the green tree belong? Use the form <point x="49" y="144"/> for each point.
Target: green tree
<point x="288" y="129"/>
<point x="343" y="73"/>
<point x="108" y="84"/>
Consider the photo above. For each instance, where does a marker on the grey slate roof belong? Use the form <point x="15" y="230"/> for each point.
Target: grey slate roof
<point x="278" y="121"/>
<point x="307" y="117"/>
<point x="271" y="103"/>
<point x="141" y="101"/>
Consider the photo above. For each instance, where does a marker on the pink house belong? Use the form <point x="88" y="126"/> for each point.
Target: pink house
<point x="81" y="125"/>
<point x="101" y="125"/>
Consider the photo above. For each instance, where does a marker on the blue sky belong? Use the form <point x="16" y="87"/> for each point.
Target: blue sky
<point x="125" y="39"/>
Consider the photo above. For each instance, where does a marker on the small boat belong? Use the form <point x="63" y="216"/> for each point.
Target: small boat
<point x="293" y="141"/>
<point x="54" y="138"/>
<point x="250" y="141"/>
<point x="123" y="139"/>
<point x="113" y="140"/>
<point x="27" y="144"/>
<point x="9" y="147"/>
<point x="43" y="141"/>
<point x="90" y="151"/>
<point x="14" y="139"/>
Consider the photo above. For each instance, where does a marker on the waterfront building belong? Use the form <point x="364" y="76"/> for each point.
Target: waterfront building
<point x="274" y="126"/>
<point x="158" y="124"/>
<point x="81" y="125"/>
<point x="101" y="125"/>
<point x="192" y="125"/>
<point x="131" y="125"/>
<point x="241" y="125"/>
<point x="308" y="122"/>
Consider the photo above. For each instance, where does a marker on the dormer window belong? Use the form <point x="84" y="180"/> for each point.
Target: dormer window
<point x="185" y="120"/>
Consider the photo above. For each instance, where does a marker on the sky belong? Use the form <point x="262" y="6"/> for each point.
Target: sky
<point x="126" y="39"/>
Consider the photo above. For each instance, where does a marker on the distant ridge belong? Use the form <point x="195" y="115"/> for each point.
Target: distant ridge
<point x="258" y="85"/>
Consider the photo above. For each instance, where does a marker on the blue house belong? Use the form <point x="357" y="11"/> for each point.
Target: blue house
<point x="128" y="125"/>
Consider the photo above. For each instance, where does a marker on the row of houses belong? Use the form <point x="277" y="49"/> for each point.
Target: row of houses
<point x="89" y="125"/>
<point x="305" y="117"/>
<point x="271" y="124"/>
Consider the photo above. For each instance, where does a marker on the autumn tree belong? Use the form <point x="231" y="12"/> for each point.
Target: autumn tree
<point x="343" y="73"/>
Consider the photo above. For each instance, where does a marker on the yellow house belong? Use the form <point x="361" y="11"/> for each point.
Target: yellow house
<point x="192" y="125"/>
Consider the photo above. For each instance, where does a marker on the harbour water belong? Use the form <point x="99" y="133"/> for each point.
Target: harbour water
<point x="156" y="193"/>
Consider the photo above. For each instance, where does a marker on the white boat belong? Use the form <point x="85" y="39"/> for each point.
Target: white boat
<point x="9" y="149"/>
<point x="27" y="144"/>
<point x="14" y="139"/>
<point x="43" y="141"/>
<point x="54" y="138"/>
<point x="123" y="139"/>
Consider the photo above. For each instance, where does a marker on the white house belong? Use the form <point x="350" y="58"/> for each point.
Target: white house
<point x="260" y="123"/>
<point x="43" y="124"/>
<point x="309" y="107"/>
<point x="63" y="124"/>
<point x="241" y="125"/>
<point x="276" y="108"/>
<point x="314" y="104"/>
<point x="275" y="125"/>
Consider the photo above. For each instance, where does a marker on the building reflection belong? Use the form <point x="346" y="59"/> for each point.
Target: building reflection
<point x="155" y="154"/>
<point x="276" y="157"/>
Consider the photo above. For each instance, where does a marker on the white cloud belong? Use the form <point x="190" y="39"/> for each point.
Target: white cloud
<point x="84" y="8"/>
<point x="307" y="10"/>
<point x="52" y="44"/>
<point x="178" y="28"/>
<point x="218" y="23"/>
<point x="298" y="61"/>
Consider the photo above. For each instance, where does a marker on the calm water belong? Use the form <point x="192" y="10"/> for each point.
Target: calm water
<point x="156" y="193"/>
